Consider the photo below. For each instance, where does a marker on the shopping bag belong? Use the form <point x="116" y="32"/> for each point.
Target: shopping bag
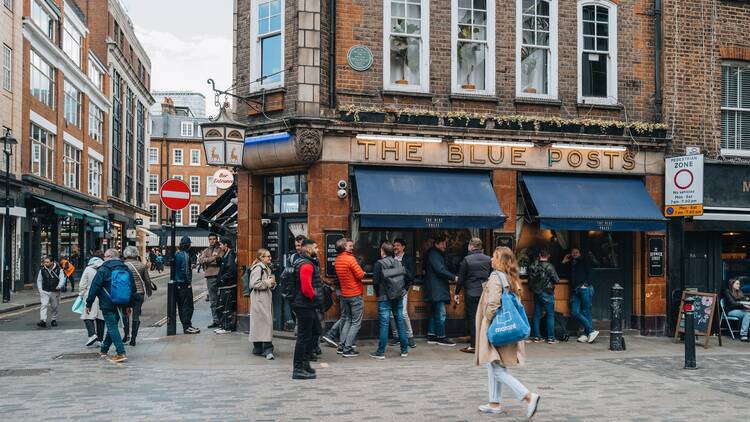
<point x="510" y="324"/>
<point x="79" y="305"/>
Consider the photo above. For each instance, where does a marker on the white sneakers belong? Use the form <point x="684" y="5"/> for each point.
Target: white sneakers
<point x="583" y="338"/>
<point x="588" y="338"/>
<point x="533" y="405"/>
<point x="91" y="340"/>
<point x="221" y="331"/>
<point x="486" y="408"/>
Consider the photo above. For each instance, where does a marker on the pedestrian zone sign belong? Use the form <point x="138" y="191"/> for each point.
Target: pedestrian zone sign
<point x="683" y="186"/>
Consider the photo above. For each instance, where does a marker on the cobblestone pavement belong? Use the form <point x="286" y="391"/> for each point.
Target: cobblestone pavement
<point x="214" y="377"/>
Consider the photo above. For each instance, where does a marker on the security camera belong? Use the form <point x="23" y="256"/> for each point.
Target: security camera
<point x="265" y="221"/>
<point x="343" y="184"/>
<point x="341" y="193"/>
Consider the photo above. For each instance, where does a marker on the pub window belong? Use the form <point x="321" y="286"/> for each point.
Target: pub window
<point x="285" y="194"/>
<point x="473" y="46"/>
<point x="603" y="249"/>
<point x="367" y="245"/>
<point x="267" y="44"/>
<point x="536" y="49"/>
<point x="735" y="108"/>
<point x="406" y="40"/>
<point x="597" y="50"/>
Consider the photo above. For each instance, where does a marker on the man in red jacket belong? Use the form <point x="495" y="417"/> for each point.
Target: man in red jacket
<point x="350" y="276"/>
<point x="307" y="298"/>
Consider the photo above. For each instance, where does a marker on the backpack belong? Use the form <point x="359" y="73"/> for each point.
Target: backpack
<point x="539" y="278"/>
<point x="121" y="282"/>
<point x="160" y="259"/>
<point x="287" y="285"/>
<point x="327" y="297"/>
<point x="393" y="280"/>
<point x="561" y="328"/>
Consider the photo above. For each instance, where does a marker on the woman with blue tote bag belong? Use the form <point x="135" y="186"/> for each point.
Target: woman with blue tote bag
<point x="499" y="359"/>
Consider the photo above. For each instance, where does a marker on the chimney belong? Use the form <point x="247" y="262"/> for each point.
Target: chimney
<point x="167" y="106"/>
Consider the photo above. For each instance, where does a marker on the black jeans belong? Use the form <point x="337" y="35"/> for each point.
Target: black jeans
<point x="226" y="308"/>
<point x="184" y="299"/>
<point x="262" y="348"/>
<point x="472" y="303"/>
<point x="123" y="310"/>
<point x="95" y="327"/>
<point x="308" y="330"/>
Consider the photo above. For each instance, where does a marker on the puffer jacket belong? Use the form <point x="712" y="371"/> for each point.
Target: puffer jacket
<point x="350" y="275"/>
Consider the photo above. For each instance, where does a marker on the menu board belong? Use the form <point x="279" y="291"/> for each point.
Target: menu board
<point x="704" y="305"/>
<point x="271" y="239"/>
<point x="655" y="256"/>
<point x="331" y="237"/>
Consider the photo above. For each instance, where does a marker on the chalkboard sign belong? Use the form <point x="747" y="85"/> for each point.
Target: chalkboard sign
<point x="271" y="240"/>
<point x="331" y="237"/>
<point x="655" y="256"/>
<point x="704" y="306"/>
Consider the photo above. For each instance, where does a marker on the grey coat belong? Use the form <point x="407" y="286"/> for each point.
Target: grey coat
<point x="262" y="282"/>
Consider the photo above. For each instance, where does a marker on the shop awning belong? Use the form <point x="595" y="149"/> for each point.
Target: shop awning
<point x="402" y="198"/>
<point x="221" y="216"/>
<point x="65" y="210"/>
<point x="566" y="202"/>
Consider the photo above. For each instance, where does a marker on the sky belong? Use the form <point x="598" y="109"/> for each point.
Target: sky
<point x="188" y="41"/>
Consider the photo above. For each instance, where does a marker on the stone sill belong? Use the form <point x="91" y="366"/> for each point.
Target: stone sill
<point x="407" y="94"/>
<point x="469" y="97"/>
<point x="616" y="107"/>
<point x="537" y="101"/>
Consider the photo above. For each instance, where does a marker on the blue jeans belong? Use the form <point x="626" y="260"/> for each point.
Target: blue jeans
<point x="112" y="321"/>
<point x="580" y="307"/>
<point x="544" y="302"/>
<point x="436" y="321"/>
<point x="385" y="309"/>
<point x="352" y="309"/>
<point x="744" y="316"/>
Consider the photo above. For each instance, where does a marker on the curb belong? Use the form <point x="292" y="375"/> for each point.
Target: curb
<point x="30" y="305"/>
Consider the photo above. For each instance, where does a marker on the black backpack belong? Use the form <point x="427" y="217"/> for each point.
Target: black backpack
<point x="394" y="278"/>
<point x="287" y="283"/>
<point x="540" y="278"/>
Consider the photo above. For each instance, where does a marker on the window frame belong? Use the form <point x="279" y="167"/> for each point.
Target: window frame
<point x="96" y="73"/>
<point x="196" y="179"/>
<point x="553" y="69"/>
<point x="197" y="209"/>
<point x="211" y="189"/>
<point x="489" y="76"/>
<point x="424" y="51"/>
<point x="612" y="95"/>
<point x="7" y="68"/>
<point x="174" y="157"/>
<point x="156" y="154"/>
<point x="68" y="32"/>
<point x="733" y="152"/>
<point x="96" y="123"/>
<point x="178" y="217"/>
<point x="72" y="166"/>
<point x="153" y="213"/>
<point x="193" y="154"/>
<point x="68" y="99"/>
<point x="184" y="132"/>
<point x="49" y="99"/>
<point x="50" y="31"/>
<point x="49" y="149"/>
<point x="8" y="5"/>
<point x="153" y="180"/>
<point x="256" y="61"/>
<point x="95" y="173"/>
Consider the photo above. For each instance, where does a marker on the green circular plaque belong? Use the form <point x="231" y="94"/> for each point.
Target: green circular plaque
<point x="360" y="58"/>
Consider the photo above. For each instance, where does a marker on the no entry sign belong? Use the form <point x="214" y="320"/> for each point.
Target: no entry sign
<point x="175" y="194"/>
<point x="683" y="190"/>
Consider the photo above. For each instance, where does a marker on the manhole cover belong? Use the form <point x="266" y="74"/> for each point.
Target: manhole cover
<point x="23" y="372"/>
<point x="77" y="356"/>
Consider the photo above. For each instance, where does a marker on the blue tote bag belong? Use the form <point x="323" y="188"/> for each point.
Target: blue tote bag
<point x="510" y="324"/>
<point x="79" y="305"/>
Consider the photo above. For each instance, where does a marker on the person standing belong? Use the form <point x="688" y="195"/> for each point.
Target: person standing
<point x="350" y="276"/>
<point x="94" y="320"/>
<point x="159" y="261"/>
<point x="388" y="280"/>
<point x="437" y="280"/>
<point x="69" y="270"/>
<point x="306" y="300"/>
<point x="101" y="288"/>
<point x="210" y="258"/>
<point x="499" y="359"/>
<point x="733" y="306"/>
<point x="227" y="286"/>
<point x="49" y="282"/>
<point x="581" y="293"/>
<point x="142" y="288"/>
<point x="407" y="261"/>
<point x="472" y="274"/>
<point x="183" y="279"/>
<point x="542" y="279"/>
<point x="262" y="282"/>
<point x="151" y="259"/>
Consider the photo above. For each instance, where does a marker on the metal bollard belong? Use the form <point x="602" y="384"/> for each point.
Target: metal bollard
<point x="689" y="319"/>
<point x="616" y="341"/>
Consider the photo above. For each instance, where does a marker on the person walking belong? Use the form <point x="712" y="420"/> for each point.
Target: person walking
<point x="437" y="280"/>
<point x="261" y="284"/>
<point x="350" y="276"/>
<point x="159" y="262"/>
<point x="473" y="272"/>
<point x="542" y="279"/>
<point x="143" y="288"/>
<point x="407" y="261"/>
<point x="307" y="298"/>
<point x="498" y="359"/>
<point x="151" y="259"/>
<point x="210" y="258"/>
<point x="69" y="270"/>
<point x="49" y="281"/>
<point x="101" y="289"/>
<point x="388" y="280"/>
<point x="227" y="286"/>
<point x="183" y="279"/>
<point x="94" y="320"/>
<point x="581" y="293"/>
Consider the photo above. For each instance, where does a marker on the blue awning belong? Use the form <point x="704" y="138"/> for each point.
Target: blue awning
<point x="401" y="198"/>
<point x="565" y="202"/>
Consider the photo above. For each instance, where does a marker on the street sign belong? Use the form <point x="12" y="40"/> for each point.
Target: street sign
<point x="175" y="194"/>
<point x="683" y="186"/>
<point x="223" y="179"/>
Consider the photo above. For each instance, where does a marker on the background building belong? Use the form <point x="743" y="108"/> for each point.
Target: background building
<point x="194" y="101"/>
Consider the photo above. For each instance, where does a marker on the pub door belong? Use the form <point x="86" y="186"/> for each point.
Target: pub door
<point x="610" y="254"/>
<point x="278" y="238"/>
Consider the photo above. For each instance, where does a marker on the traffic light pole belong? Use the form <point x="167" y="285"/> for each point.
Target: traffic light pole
<point x="171" y="305"/>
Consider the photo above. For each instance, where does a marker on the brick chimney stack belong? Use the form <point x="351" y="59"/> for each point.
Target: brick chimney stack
<point x="167" y="106"/>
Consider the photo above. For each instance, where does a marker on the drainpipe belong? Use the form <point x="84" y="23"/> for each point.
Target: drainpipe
<point x="658" y="100"/>
<point x="332" y="54"/>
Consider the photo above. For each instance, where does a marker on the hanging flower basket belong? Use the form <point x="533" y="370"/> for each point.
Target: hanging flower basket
<point x="417" y="117"/>
<point x="352" y="113"/>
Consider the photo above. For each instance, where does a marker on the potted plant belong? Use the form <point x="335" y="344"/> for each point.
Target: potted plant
<point x="614" y="128"/>
<point x="593" y="126"/>
<point x="467" y="52"/>
<point x="551" y="124"/>
<point x="353" y="113"/>
<point x="400" y="47"/>
<point x="650" y="130"/>
<point x="464" y="119"/>
<point x="514" y="122"/>
<point x="413" y="116"/>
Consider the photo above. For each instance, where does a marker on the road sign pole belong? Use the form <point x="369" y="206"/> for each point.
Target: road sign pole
<point x="171" y="305"/>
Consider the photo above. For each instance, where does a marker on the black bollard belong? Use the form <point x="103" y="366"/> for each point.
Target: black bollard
<point x="616" y="341"/>
<point x="689" y="334"/>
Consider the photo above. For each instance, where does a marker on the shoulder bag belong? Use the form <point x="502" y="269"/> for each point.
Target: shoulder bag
<point x="510" y="324"/>
<point x="135" y="270"/>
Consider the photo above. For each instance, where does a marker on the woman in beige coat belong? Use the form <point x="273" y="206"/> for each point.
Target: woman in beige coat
<point x="499" y="359"/>
<point x="262" y="282"/>
<point x="93" y="320"/>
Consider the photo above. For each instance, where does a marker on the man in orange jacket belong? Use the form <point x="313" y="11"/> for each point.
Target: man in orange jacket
<point x="350" y="276"/>
<point x="68" y="268"/>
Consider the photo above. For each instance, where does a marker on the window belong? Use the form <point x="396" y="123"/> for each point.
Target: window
<point x="153" y="155"/>
<point x="140" y="153"/>
<point x="178" y="177"/>
<point x="153" y="210"/>
<point x="72" y="105"/>
<point x="116" y="134"/>
<point x="195" y="157"/>
<point x="194" y="212"/>
<point x="42" y="83"/>
<point x="406" y="32"/>
<point x="42" y="152"/>
<point x="96" y="122"/>
<point x="7" y="68"/>
<point x="129" y="145"/>
<point x="210" y="186"/>
<point x="285" y="194"/>
<point x="473" y="46"/>
<point x="8" y="4"/>
<point x="178" y="217"/>
<point x="195" y="185"/>
<point x="177" y="157"/>
<point x="536" y="48"/>
<point x="267" y="46"/>
<point x="96" y="74"/>
<point x="43" y="19"/>
<point x="597" y="50"/>
<point x="186" y="129"/>
<point x="367" y="245"/>
<point x="735" y="108"/>
<point x="72" y="167"/>
<point x="72" y="43"/>
<point x="153" y="184"/>
<point x="95" y="177"/>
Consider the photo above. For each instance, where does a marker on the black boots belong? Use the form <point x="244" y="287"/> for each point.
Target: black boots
<point x="134" y="333"/>
<point x="308" y="368"/>
<point x="300" y="373"/>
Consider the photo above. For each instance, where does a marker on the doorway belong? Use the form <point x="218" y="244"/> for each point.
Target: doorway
<point x="278" y="238"/>
<point x="611" y="258"/>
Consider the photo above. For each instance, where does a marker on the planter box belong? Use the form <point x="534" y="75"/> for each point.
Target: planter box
<point x="463" y="122"/>
<point x="593" y="130"/>
<point x="571" y="128"/>
<point x="407" y="119"/>
<point x="550" y="127"/>
<point x="660" y="133"/>
<point x="368" y="117"/>
<point x="614" y="131"/>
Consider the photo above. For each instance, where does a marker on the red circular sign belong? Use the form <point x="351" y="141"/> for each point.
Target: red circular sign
<point x="175" y="194"/>
<point x="684" y="179"/>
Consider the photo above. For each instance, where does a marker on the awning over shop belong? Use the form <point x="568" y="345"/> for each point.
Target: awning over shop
<point x="221" y="216"/>
<point x="567" y="202"/>
<point x="65" y="210"/>
<point x="402" y="198"/>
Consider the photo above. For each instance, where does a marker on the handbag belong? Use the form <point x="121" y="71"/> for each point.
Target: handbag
<point x="132" y="267"/>
<point x="510" y="324"/>
<point x="79" y="305"/>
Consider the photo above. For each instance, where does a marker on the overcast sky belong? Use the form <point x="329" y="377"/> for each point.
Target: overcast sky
<point x="188" y="41"/>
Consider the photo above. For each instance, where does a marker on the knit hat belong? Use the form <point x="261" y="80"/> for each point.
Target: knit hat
<point x="185" y="240"/>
